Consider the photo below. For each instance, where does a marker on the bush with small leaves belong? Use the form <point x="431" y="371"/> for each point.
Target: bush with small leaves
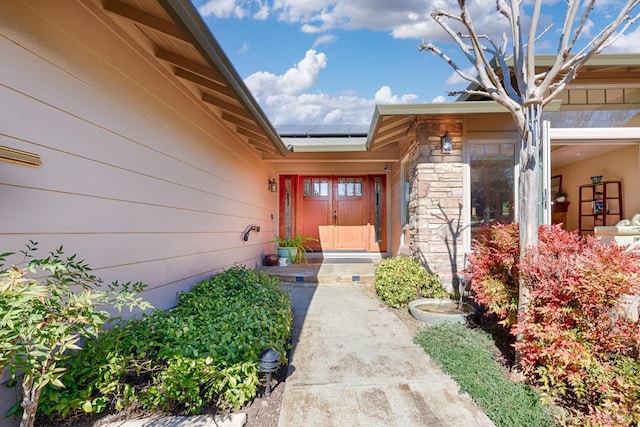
<point x="577" y="338"/>
<point x="401" y="280"/>
<point x="204" y="350"/>
<point x="47" y="307"/>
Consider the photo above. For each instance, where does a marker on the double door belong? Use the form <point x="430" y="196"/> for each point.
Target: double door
<point x="341" y="212"/>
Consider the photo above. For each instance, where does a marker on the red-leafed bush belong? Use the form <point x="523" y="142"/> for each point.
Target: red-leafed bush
<point x="494" y="270"/>
<point x="577" y="339"/>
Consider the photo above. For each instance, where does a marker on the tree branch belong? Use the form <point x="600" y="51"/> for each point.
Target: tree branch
<point x="431" y="47"/>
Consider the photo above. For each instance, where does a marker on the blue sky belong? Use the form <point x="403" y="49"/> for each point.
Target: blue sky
<point x="331" y="61"/>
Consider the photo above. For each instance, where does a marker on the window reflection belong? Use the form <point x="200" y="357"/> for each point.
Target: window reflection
<point x="492" y="184"/>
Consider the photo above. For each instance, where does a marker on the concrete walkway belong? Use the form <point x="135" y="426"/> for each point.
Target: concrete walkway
<point x="354" y="363"/>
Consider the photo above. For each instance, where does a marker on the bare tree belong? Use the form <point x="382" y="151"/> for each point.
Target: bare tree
<point x="509" y="77"/>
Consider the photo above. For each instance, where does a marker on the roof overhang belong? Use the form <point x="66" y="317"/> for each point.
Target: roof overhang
<point x="601" y="71"/>
<point x="391" y="121"/>
<point x="594" y="135"/>
<point x="175" y="35"/>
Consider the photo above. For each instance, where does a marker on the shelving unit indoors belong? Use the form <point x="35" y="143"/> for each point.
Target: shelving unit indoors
<point x="600" y="204"/>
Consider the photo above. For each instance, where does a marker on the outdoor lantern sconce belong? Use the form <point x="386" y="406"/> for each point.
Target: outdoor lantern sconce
<point x="273" y="186"/>
<point x="268" y="363"/>
<point x="446" y="145"/>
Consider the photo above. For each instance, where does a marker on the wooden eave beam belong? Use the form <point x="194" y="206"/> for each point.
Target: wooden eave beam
<point x="382" y="143"/>
<point x="397" y="128"/>
<point x="191" y="66"/>
<point x="224" y="105"/>
<point x="251" y="134"/>
<point x="268" y="147"/>
<point x="204" y="82"/>
<point x="145" y="19"/>
<point x="243" y="122"/>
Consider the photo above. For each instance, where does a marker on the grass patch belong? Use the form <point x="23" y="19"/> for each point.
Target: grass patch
<point x="466" y="355"/>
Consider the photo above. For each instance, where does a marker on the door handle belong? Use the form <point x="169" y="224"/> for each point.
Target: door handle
<point x="335" y="217"/>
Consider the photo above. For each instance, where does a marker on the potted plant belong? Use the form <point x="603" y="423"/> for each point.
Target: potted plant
<point x="293" y="248"/>
<point x="561" y="196"/>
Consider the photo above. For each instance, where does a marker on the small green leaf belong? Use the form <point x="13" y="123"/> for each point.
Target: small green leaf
<point x="87" y="407"/>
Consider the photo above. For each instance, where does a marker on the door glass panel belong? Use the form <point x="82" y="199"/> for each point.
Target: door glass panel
<point x="316" y="187"/>
<point x="377" y="209"/>
<point x="492" y="184"/>
<point x="348" y="187"/>
<point x="288" y="209"/>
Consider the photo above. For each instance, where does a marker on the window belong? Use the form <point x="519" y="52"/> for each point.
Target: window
<point x="492" y="189"/>
<point x="316" y="187"/>
<point x="349" y="187"/>
<point x="406" y="192"/>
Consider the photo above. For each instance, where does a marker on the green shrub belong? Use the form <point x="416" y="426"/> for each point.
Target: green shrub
<point x="47" y="307"/>
<point x="401" y="280"/>
<point x="204" y="350"/>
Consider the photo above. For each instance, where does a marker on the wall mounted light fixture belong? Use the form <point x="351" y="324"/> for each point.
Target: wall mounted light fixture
<point x="446" y="144"/>
<point x="273" y="186"/>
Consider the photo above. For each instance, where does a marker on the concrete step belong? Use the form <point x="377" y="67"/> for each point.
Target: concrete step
<point x="329" y="270"/>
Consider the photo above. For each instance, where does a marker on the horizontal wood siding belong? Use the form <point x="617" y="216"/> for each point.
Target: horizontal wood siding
<point x="137" y="176"/>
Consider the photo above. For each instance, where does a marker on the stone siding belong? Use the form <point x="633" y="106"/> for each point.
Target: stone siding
<point x="436" y="197"/>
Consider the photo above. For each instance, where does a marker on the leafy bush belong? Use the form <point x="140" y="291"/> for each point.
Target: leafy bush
<point x="576" y="341"/>
<point x="494" y="266"/>
<point x="576" y="338"/>
<point x="47" y="306"/>
<point x="401" y="280"/>
<point x="468" y="356"/>
<point x="204" y="350"/>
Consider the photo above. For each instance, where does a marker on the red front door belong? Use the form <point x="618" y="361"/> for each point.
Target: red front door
<point x="342" y="212"/>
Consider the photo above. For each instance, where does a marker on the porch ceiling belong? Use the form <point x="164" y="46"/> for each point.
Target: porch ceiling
<point x="175" y="36"/>
<point x="391" y="122"/>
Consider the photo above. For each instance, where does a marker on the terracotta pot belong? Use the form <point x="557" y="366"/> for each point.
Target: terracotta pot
<point x="271" y="260"/>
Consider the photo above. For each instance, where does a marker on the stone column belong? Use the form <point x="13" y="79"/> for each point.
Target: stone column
<point x="436" y="199"/>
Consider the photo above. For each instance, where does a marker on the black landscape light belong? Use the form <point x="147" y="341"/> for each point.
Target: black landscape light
<point x="268" y="363"/>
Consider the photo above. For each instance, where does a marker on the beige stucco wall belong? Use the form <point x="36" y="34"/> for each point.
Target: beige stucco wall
<point x="137" y="176"/>
<point x="622" y="164"/>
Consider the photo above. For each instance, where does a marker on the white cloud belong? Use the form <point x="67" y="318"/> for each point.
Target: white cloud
<point x="456" y="79"/>
<point x="244" y="48"/>
<point x="262" y="13"/>
<point x="325" y="39"/>
<point x="385" y="96"/>
<point x="403" y="18"/>
<point x="302" y="76"/>
<point x="222" y="9"/>
<point x="439" y="99"/>
<point x="627" y="43"/>
<point x="285" y="98"/>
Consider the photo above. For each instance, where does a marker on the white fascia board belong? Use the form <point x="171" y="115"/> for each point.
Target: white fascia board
<point x="582" y="135"/>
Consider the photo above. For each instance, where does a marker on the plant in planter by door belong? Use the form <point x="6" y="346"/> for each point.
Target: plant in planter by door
<point x="561" y="195"/>
<point x="294" y="248"/>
